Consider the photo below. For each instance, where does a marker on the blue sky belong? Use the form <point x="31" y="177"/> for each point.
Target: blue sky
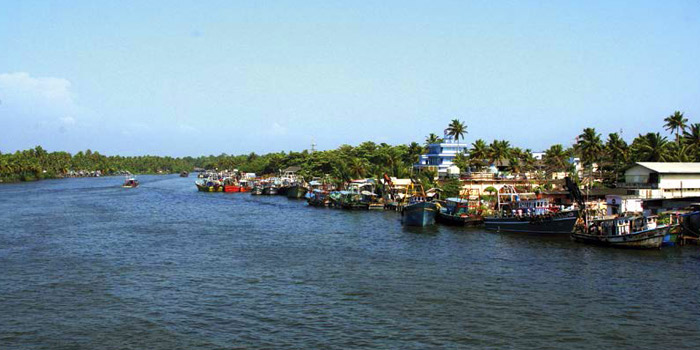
<point x="184" y="78"/>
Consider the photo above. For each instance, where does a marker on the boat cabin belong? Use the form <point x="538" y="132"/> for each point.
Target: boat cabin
<point x="623" y="225"/>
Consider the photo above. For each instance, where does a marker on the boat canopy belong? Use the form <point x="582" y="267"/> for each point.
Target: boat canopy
<point x="457" y="200"/>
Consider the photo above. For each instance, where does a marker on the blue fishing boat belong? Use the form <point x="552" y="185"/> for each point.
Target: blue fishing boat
<point x="419" y="211"/>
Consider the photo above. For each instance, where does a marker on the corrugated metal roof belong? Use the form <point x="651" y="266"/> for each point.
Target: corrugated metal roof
<point x="672" y="167"/>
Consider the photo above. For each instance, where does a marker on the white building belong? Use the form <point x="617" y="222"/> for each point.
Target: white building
<point x="651" y="180"/>
<point x="441" y="156"/>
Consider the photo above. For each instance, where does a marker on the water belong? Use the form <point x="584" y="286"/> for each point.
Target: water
<point x="85" y="264"/>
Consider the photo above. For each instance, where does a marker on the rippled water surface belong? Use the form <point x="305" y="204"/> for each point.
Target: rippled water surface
<point x="85" y="264"/>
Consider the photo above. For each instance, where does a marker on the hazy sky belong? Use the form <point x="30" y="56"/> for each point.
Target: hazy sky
<point x="162" y="77"/>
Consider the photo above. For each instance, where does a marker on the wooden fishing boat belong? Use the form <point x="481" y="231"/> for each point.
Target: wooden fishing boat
<point x="296" y="190"/>
<point x="456" y="211"/>
<point x="209" y="185"/>
<point x="419" y="211"/>
<point x="529" y="216"/>
<point x="318" y="198"/>
<point x="257" y="190"/>
<point x="640" y="232"/>
<point x="130" y="182"/>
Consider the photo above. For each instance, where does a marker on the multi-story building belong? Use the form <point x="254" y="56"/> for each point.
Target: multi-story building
<point x="650" y="180"/>
<point x="440" y="157"/>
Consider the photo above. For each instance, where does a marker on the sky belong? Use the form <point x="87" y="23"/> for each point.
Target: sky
<point x="209" y="77"/>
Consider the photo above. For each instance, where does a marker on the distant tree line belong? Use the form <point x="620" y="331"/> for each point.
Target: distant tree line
<point x="610" y="158"/>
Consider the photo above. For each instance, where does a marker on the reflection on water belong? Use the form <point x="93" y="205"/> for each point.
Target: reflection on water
<point x="86" y="264"/>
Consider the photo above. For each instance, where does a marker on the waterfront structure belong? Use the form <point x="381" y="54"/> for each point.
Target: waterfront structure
<point x="440" y="157"/>
<point x="655" y="180"/>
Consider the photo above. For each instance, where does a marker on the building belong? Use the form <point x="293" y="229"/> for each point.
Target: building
<point x="440" y="157"/>
<point x="650" y="180"/>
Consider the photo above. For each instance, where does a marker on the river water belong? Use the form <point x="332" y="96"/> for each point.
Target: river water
<point x="86" y="264"/>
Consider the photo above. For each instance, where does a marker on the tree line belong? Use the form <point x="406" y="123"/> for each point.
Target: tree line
<point x="606" y="159"/>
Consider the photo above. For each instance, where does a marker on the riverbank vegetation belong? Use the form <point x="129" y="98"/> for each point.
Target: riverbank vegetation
<point x="606" y="157"/>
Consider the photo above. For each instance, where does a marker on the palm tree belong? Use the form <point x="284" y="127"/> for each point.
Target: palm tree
<point x="555" y="158"/>
<point x="499" y="150"/>
<point x="527" y="160"/>
<point x="676" y="123"/>
<point x="590" y="147"/>
<point x="681" y="152"/>
<point x="691" y="137"/>
<point x="461" y="161"/>
<point x="617" y="152"/>
<point x="414" y="152"/>
<point x="651" y="147"/>
<point x="456" y="129"/>
<point x="479" y="152"/>
<point x="432" y="138"/>
<point x="358" y="167"/>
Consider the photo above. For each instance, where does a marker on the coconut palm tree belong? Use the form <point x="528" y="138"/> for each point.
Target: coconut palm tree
<point x="589" y="147"/>
<point x="681" y="152"/>
<point x="617" y="152"/>
<point x="651" y="147"/>
<point x="692" y="137"/>
<point x="676" y="123"/>
<point x="499" y="150"/>
<point x="432" y="138"/>
<point x="555" y="158"/>
<point x="527" y="160"/>
<point x="461" y="161"/>
<point x="478" y="153"/>
<point x="456" y="129"/>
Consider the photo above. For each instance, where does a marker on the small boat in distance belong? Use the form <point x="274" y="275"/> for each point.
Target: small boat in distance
<point x="184" y="173"/>
<point x="130" y="182"/>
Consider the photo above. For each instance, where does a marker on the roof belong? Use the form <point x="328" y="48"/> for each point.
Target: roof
<point x="292" y="169"/>
<point x="672" y="167"/>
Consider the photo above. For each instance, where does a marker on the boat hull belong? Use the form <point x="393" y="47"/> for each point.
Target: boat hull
<point x="419" y="214"/>
<point x="296" y="192"/>
<point x="649" y="239"/>
<point x="232" y="188"/>
<point x="256" y="191"/>
<point x="269" y="191"/>
<point x="553" y="225"/>
<point x="457" y="220"/>
<point x="204" y="188"/>
<point x="282" y="191"/>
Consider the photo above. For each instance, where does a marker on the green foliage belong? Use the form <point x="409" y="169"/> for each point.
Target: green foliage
<point x="451" y="188"/>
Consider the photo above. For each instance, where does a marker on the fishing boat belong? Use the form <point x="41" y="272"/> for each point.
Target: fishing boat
<point x="419" y="211"/>
<point x="318" y="198"/>
<point x="637" y="232"/>
<point x="257" y="190"/>
<point x="529" y="216"/>
<point x="243" y="186"/>
<point x="458" y="211"/>
<point x="359" y="194"/>
<point x="296" y="190"/>
<point x="184" y="173"/>
<point x="231" y="184"/>
<point x="209" y="185"/>
<point x="130" y="182"/>
<point x="269" y="189"/>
